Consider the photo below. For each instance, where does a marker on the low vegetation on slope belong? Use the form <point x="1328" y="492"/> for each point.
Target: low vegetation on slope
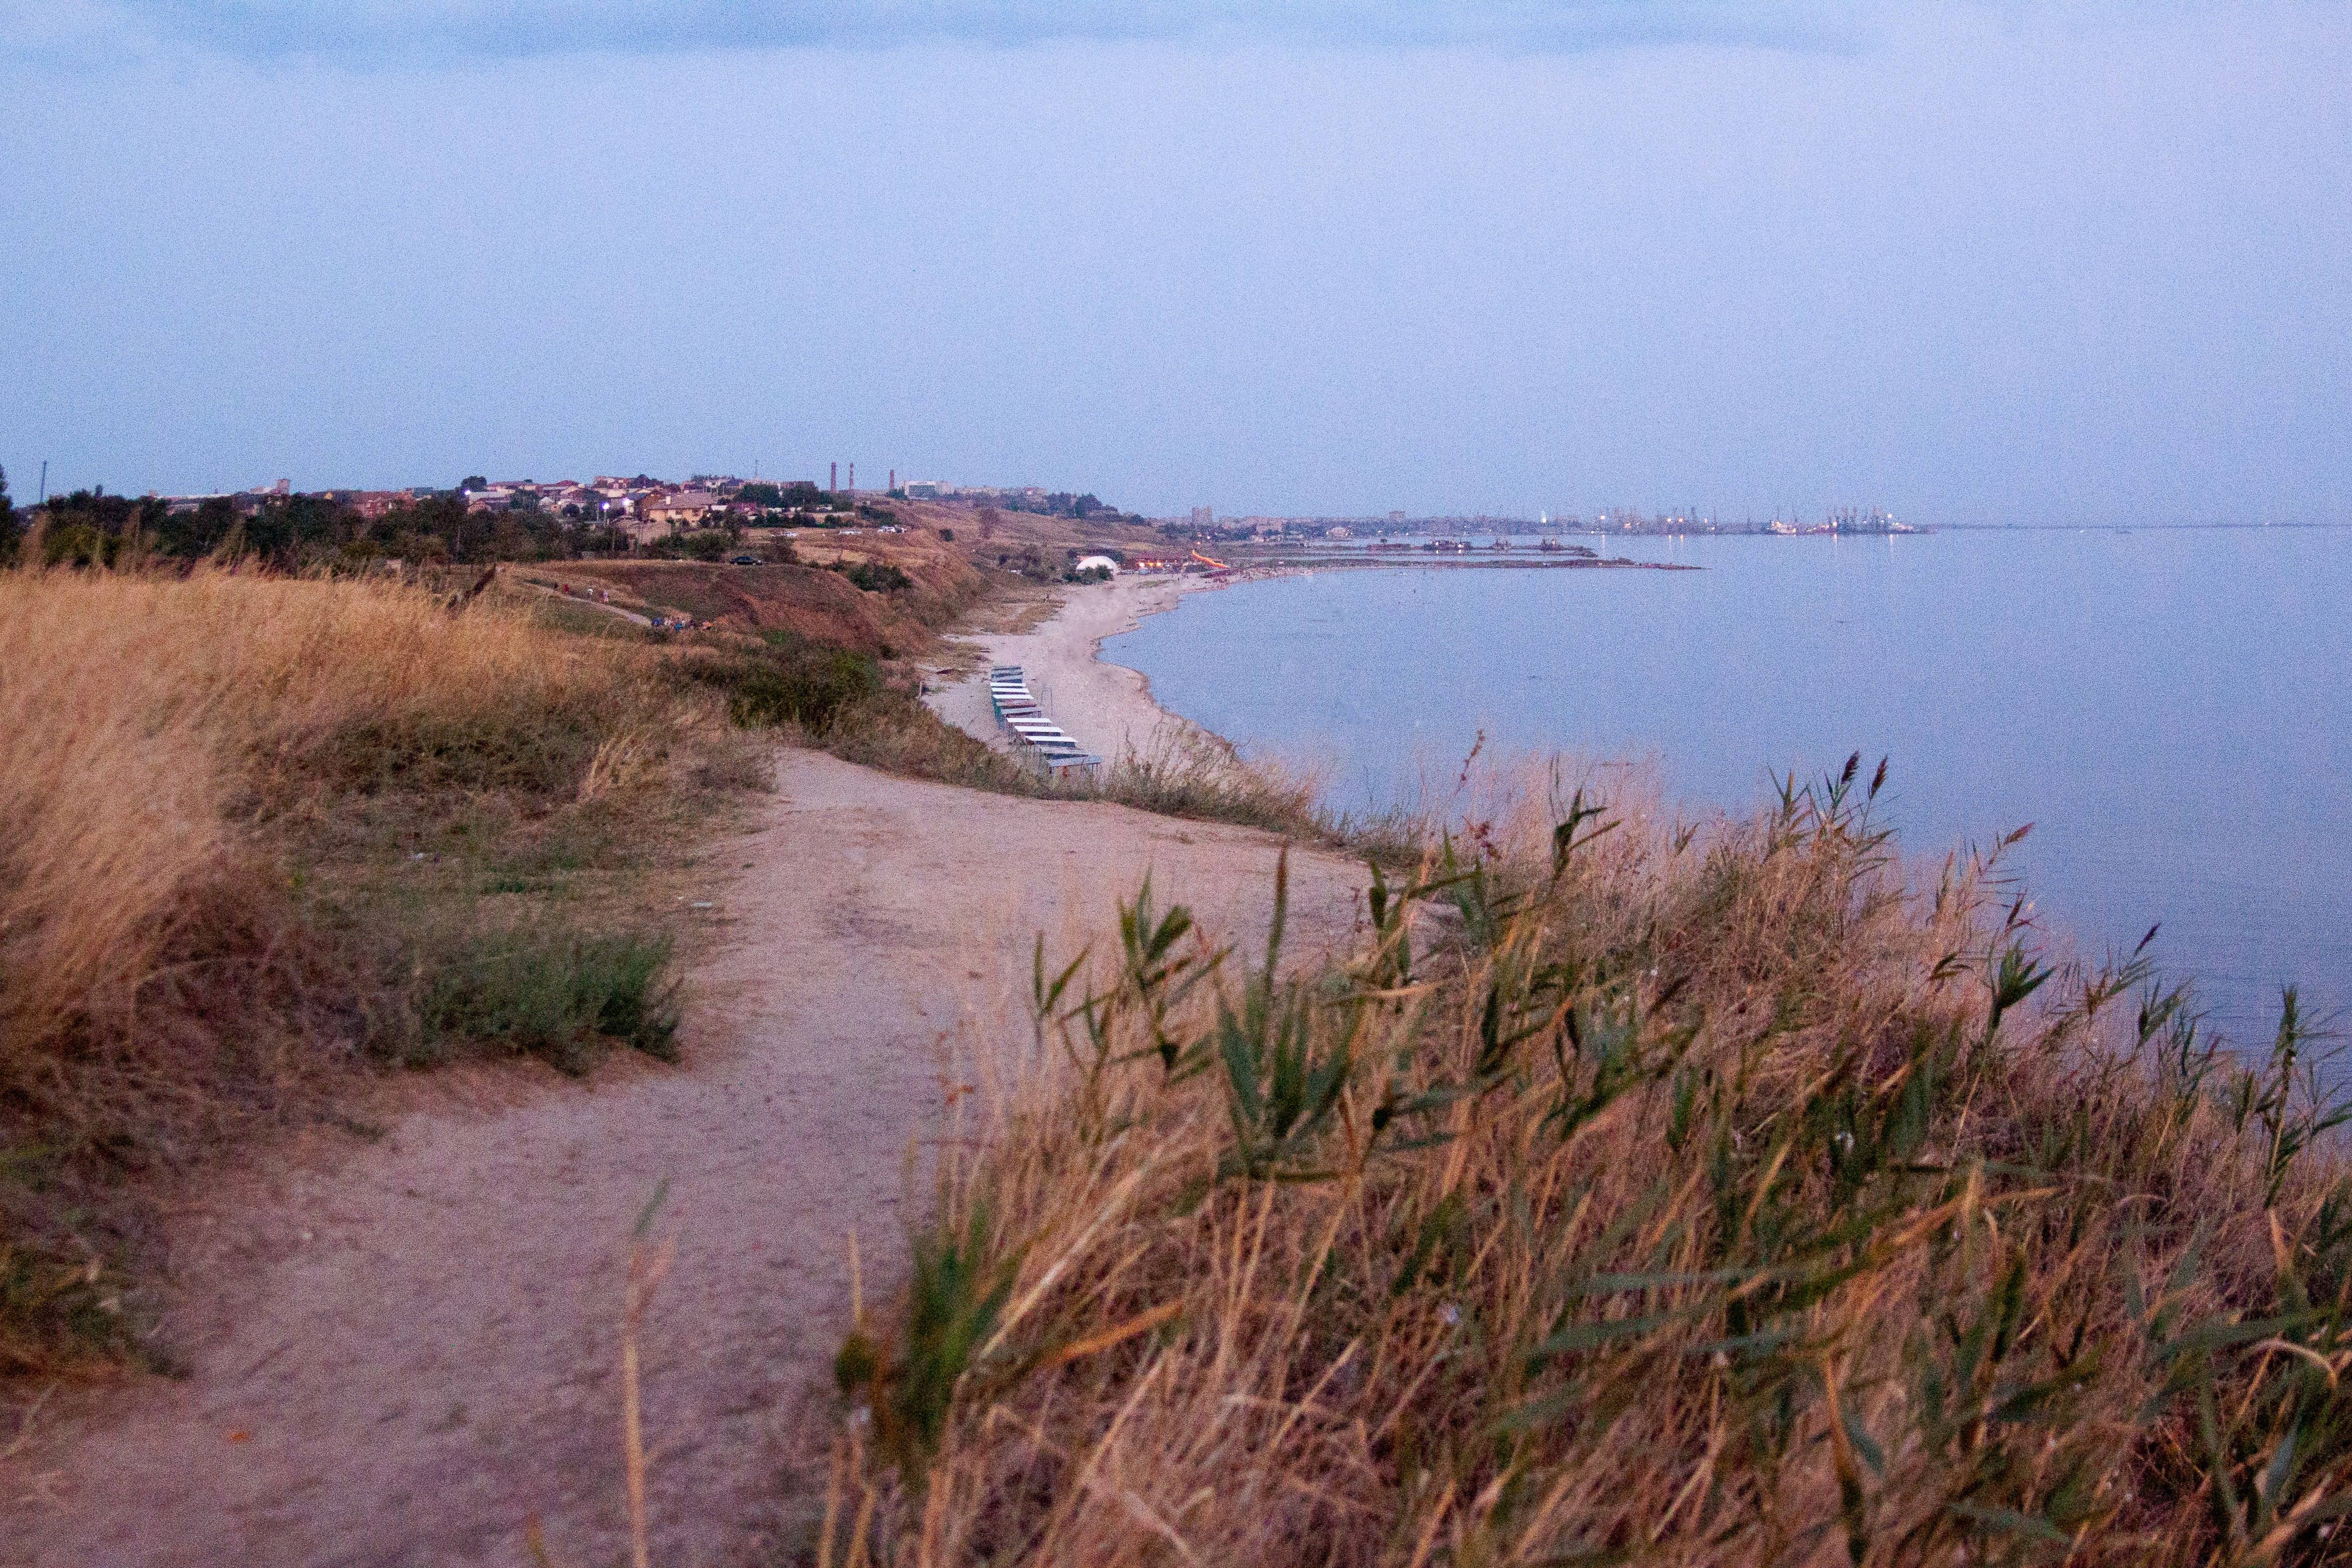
<point x="825" y="649"/>
<point x="812" y="603"/>
<point x="1714" y="1196"/>
<point x="260" y="827"/>
<point x="804" y="649"/>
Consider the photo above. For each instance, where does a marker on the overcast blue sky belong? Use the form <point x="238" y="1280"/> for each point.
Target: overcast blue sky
<point x="2017" y="261"/>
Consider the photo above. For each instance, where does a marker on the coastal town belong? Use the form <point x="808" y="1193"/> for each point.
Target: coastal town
<point x="632" y="514"/>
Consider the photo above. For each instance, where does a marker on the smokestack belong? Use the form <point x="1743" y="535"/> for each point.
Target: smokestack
<point x="833" y="475"/>
<point x="853" y="478"/>
<point x="893" y="480"/>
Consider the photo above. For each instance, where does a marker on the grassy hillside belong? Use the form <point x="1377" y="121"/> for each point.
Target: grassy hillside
<point x="807" y="601"/>
<point x="1717" y="1195"/>
<point x="262" y="831"/>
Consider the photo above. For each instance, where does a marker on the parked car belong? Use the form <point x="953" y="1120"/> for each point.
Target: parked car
<point x="748" y="561"/>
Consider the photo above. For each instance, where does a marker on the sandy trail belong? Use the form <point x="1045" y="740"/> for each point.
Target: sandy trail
<point x="400" y="1351"/>
<point x="1106" y="708"/>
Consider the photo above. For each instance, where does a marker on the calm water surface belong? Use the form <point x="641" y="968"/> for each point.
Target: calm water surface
<point x="2172" y="709"/>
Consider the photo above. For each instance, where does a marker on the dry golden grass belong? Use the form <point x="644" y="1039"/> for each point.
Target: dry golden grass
<point x="1696" y="1197"/>
<point x="158" y="737"/>
<point x="137" y="714"/>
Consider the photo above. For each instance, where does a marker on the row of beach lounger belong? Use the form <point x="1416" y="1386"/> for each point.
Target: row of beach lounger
<point x="1033" y="735"/>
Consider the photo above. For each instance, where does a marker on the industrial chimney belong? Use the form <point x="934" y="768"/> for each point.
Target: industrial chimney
<point x="833" y="475"/>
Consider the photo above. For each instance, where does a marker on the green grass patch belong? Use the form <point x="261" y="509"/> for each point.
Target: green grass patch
<point x="539" y="989"/>
<point x="783" y="679"/>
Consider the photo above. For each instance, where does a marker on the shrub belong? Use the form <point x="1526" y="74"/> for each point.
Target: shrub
<point x="702" y="544"/>
<point x="789" y="681"/>
<point x="875" y="576"/>
<point x="79" y="544"/>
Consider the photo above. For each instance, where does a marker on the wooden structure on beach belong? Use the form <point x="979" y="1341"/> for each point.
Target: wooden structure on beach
<point x="1035" y="738"/>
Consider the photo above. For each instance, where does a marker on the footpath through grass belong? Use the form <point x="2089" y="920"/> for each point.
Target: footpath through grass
<point x="1701" y="1196"/>
<point x="263" y="831"/>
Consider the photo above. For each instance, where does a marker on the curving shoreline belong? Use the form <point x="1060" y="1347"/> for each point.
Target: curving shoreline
<point x="1108" y="708"/>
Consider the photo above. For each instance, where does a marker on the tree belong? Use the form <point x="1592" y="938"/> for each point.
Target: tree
<point x="474" y="482"/>
<point x="8" y="526"/>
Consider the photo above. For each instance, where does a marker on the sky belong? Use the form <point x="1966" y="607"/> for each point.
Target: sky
<point x="1991" y="261"/>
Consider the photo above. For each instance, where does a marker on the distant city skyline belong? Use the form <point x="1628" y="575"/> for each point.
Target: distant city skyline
<point x="1994" y="263"/>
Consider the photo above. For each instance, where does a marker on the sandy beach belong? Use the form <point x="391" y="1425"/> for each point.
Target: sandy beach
<point x="1106" y="708"/>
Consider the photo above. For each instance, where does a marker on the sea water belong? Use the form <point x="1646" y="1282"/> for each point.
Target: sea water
<point x="2170" y="708"/>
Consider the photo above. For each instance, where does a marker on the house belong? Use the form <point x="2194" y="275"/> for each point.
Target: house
<point x="679" y="508"/>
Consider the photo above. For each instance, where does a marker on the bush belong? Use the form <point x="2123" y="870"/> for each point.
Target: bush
<point x="703" y="545"/>
<point x="875" y="576"/>
<point x="79" y="544"/>
<point x="789" y="681"/>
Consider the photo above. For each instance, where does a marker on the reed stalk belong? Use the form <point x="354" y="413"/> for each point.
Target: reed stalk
<point x="1640" y="1191"/>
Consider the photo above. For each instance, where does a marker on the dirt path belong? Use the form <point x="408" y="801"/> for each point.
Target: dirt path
<point x="610" y="609"/>
<point x="400" y="1352"/>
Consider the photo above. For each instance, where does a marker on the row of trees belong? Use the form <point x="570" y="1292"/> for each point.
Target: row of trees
<point x="1061" y="503"/>
<point x="92" y="528"/>
<point x="800" y="496"/>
